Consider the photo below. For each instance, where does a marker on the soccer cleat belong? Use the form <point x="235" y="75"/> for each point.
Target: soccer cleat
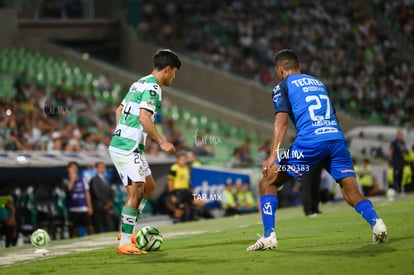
<point x="379" y="232"/>
<point x="264" y="243"/>
<point x="133" y="237"/>
<point x="129" y="249"/>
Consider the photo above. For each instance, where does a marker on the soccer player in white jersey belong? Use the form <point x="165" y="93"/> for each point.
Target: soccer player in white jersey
<point x="135" y="120"/>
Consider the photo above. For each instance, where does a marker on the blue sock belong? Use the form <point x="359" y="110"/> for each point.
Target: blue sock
<point x="268" y="205"/>
<point x="367" y="211"/>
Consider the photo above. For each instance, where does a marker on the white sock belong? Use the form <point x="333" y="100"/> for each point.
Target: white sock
<point x="140" y="208"/>
<point x="127" y="225"/>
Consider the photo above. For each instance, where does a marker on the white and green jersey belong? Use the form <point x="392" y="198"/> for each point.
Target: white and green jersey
<point x="129" y="135"/>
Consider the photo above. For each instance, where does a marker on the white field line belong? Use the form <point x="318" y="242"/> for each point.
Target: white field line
<point x="27" y="254"/>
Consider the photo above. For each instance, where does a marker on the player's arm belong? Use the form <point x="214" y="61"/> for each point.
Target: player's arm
<point x="280" y="127"/>
<point x="145" y="118"/>
<point x="118" y="112"/>
<point x="337" y="117"/>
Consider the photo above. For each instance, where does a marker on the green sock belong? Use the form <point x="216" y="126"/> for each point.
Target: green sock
<point x="128" y="216"/>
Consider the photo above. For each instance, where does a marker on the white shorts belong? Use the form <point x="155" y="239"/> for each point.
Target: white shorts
<point x="134" y="167"/>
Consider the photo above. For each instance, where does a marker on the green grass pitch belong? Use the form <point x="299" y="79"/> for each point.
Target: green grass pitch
<point x="336" y="242"/>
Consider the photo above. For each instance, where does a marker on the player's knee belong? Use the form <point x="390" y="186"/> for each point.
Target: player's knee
<point x="265" y="183"/>
<point x="261" y="186"/>
<point x="137" y="189"/>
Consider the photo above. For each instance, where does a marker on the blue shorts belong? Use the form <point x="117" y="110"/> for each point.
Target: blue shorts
<point x="332" y="154"/>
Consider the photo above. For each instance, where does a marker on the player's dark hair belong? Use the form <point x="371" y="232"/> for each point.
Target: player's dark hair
<point x="99" y="163"/>
<point x="287" y="59"/>
<point x="72" y="163"/>
<point x="164" y="58"/>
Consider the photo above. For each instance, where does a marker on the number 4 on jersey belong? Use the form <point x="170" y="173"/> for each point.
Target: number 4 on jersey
<point x="127" y="112"/>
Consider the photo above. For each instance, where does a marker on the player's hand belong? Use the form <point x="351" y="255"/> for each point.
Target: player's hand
<point x="267" y="165"/>
<point x="167" y="147"/>
<point x="73" y="176"/>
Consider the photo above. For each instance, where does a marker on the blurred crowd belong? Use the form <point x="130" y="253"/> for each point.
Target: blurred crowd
<point x="238" y="199"/>
<point x="373" y="81"/>
<point x="401" y="14"/>
<point x="337" y="41"/>
<point x="63" y="120"/>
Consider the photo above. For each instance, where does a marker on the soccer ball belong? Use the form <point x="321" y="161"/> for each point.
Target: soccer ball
<point x="149" y="239"/>
<point x="40" y="238"/>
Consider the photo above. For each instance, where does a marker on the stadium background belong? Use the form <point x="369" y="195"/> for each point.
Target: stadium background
<point x="362" y="51"/>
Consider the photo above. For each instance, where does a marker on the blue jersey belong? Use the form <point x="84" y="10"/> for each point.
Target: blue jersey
<point x="306" y="100"/>
<point x="76" y="198"/>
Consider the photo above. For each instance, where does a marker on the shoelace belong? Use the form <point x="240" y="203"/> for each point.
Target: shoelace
<point x="258" y="245"/>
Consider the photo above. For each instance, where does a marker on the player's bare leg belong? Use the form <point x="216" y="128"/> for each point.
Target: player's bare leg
<point x="148" y="190"/>
<point x="149" y="186"/>
<point x="274" y="179"/>
<point x="135" y="191"/>
<point x="350" y="191"/>
<point x="363" y="206"/>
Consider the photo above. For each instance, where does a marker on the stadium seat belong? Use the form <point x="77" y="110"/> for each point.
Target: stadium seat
<point x="52" y="72"/>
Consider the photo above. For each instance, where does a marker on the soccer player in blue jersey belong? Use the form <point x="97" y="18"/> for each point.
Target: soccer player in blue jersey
<point x="319" y="139"/>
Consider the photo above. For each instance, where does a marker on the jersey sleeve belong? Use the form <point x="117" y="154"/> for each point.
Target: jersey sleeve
<point x="151" y="99"/>
<point x="173" y="172"/>
<point x="280" y="98"/>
